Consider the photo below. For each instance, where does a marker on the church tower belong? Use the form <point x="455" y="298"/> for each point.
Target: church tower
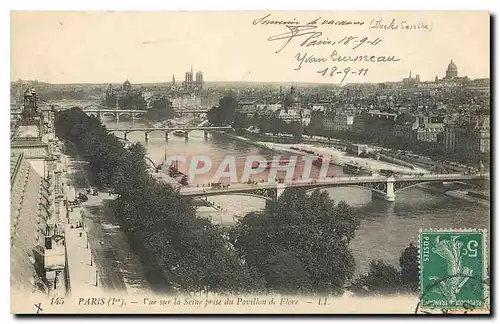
<point x="172" y="86"/>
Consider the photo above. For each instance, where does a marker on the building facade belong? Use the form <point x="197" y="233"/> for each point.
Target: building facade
<point x="472" y="136"/>
<point x="338" y="122"/>
<point x="430" y="132"/>
<point x="37" y="238"/>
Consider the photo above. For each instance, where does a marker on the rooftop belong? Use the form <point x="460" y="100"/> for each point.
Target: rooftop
<point x="26" y="225"/>
<point x="25" y="131"/>
<point x="15" y="161"/>
<point x="55" y="258"/>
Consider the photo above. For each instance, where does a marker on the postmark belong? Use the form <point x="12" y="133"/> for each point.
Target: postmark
<point x="453" y="274"/>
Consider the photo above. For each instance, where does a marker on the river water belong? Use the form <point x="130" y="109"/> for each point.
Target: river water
<point x="386" y="228"/>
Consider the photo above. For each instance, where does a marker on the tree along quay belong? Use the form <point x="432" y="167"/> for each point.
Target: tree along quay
<point x="160" y="235"/>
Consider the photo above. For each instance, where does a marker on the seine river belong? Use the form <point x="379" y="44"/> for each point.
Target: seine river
<point x="386" y="228"/>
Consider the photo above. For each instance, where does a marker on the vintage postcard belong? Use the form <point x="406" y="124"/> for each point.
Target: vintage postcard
<point x="333" y="162"/>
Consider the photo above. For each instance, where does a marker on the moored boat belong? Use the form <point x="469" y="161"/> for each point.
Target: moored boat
<point x="270" y="164"/>
<point x="348" y="168"/>
<point x="179" y="133"/>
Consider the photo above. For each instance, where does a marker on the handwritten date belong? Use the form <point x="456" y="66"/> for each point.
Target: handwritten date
<point x="344" y="73"/>
<point x="310" y="36"/>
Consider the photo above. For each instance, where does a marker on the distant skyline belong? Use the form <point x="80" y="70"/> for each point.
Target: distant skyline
<point x="149" y="47"/>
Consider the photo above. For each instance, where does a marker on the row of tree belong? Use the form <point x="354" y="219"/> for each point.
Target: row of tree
<point x="387" y="139"/>
<point x="180" y="252"/>
<point x="384" y="279"/>
<point x="223" y="114"/>
<point x="226" y="113"/>
<point x="298" y="244"/>
<point x="267" y="124"/>
<point x="161" y="109"/>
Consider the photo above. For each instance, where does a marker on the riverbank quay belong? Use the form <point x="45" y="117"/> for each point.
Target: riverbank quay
<point x="100" y="257"/>
<point x="82" y="274"/>
<point x="335" y="156"/>
<point x="400" y="158"/>
<point x="246" y="140"/>
<point x="342" y="146"/>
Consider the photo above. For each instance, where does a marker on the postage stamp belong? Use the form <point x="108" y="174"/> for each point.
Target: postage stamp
<point x="453" y="267"/>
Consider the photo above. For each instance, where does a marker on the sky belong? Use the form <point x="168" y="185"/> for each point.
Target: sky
<point x="110" y="47"/>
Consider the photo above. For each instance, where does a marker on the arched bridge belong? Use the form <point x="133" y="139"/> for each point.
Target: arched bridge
<point x="67" y="104"/>
<point x="167" y="130"/>
<point x="383" y="187"/>
<point x="115" y="113"/>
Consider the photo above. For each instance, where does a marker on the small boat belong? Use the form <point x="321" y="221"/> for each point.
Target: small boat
<point x="351" y="168"/>
<point x="271" y="164"/>
<point x="179" y="133"/>
<point x="387" y="173"/>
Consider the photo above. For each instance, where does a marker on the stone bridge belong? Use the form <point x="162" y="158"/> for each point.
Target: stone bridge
<point x="67" y="104"/>
<point x="115" y="113"/>
<point x="167" y="130"/>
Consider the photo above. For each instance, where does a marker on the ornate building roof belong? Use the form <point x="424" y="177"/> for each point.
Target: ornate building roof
<point x="452" y="71"/>
<point x="452" y="66"/>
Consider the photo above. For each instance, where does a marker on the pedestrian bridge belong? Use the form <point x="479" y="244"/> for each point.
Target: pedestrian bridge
<point x="382" y="187"/>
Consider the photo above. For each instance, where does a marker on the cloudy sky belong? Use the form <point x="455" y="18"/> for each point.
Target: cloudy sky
<point x="101" y="47"/>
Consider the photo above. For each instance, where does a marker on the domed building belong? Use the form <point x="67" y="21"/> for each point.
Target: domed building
<point x="127" y="86"/>
<point x="452" y="71"/>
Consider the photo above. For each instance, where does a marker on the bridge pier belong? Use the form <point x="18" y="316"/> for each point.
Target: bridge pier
<point x="386" y="192"/>
<point x="205" y="134"/>
<point x="166" y="136"/>
<point x="146" y="137"/>
<point x="390" y="195"/>
<point x="125" y="135"/>
<point x="186" y="136"/>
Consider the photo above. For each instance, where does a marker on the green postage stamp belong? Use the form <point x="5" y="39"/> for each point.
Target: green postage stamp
<point x="453" y="267"/>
